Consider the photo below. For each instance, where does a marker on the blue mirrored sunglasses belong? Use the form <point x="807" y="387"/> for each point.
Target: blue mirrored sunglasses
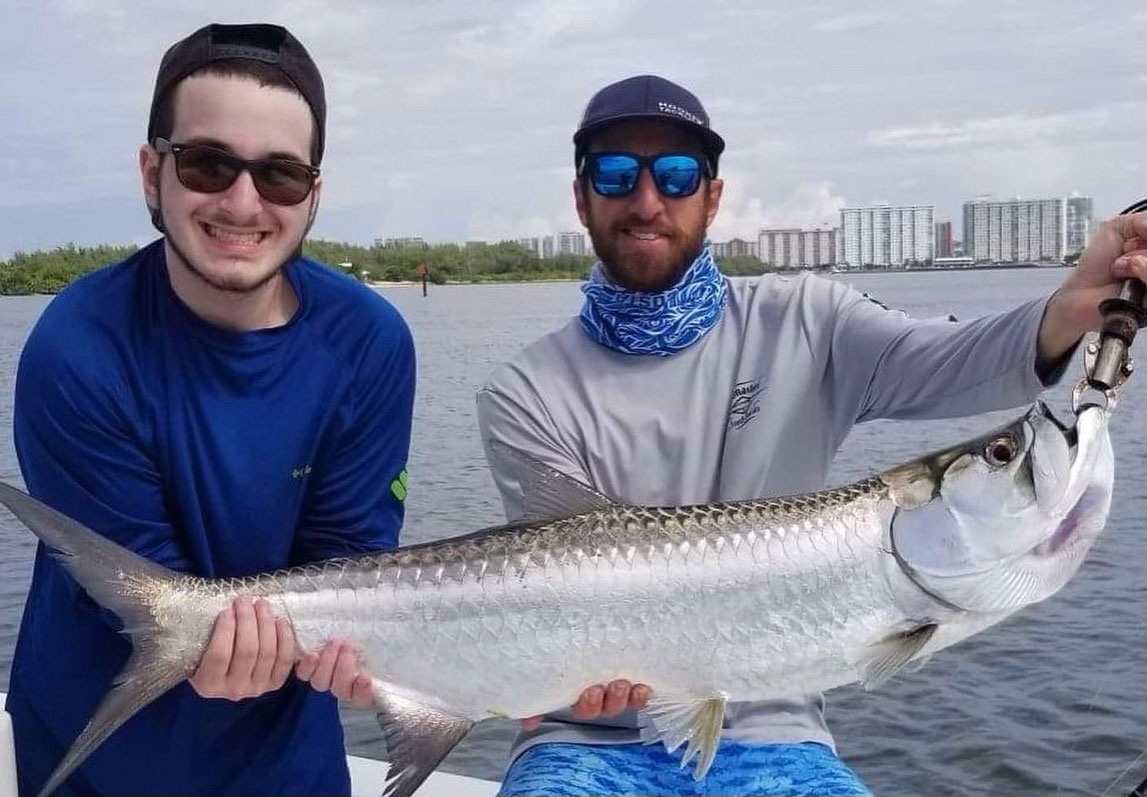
<point x="614" y="174"/>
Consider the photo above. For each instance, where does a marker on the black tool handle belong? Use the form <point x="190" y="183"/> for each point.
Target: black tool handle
<point x="1123" y="316"/>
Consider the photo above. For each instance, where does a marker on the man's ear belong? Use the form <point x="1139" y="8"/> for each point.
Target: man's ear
<point x="580" y="202"/>
<point x="316" y="191"/>
<point x="714" y="189"/>
<point x="149" y="163"/>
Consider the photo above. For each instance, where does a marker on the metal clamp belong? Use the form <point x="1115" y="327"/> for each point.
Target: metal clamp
<point x="1109" y="388"/>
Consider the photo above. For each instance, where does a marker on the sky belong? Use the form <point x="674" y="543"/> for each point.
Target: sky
<point x="451" y="119"/>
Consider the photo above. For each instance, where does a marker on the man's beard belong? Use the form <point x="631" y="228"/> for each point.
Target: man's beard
<point x="223" y="285"/>
<point x="686" y="248"/>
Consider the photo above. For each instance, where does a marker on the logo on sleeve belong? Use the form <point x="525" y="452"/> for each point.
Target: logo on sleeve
<point x="399" y="485"/>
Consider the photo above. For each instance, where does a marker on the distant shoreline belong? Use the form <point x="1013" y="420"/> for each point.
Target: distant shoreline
<point x="449" y="282"/>
<point x="24" y="289"/>
<point x="982" y="267"/>
<point x="822" y="271"/>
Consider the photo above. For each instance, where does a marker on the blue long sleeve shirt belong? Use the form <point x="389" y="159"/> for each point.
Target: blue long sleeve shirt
<point x="215" y="453"/>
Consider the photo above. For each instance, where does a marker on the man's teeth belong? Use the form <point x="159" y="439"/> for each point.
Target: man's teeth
<point x="644" y="236"/>
<point x="229" y="237"/>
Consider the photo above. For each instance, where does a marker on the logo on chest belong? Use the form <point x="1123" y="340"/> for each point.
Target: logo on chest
<point x="745" y="405"/>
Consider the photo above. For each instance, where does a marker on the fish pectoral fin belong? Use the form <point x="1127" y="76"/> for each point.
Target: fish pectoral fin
<point x="547" y="494"/>
<point x="418" y="737"/>
<point x="894" y="652"/>
<point x="676" y="720"/>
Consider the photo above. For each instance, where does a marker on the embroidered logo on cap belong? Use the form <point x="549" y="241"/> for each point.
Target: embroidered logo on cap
<point x="677" y="110"/>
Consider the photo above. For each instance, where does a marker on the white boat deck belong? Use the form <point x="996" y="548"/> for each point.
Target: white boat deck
<point x="367" y="776"/>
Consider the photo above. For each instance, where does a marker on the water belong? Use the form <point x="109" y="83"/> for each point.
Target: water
<point x="1051" y="702"/>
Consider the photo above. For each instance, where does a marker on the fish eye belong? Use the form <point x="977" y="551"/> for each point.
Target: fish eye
<point x="1000" y="451"/>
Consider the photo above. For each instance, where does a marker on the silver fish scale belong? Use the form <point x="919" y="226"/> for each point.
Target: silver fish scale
<point x="653" y="592"/>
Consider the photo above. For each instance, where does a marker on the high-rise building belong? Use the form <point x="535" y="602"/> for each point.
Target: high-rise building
<point x="571" y="243"/>
<point x="1079" y="225"/>
<point x="531" y="245"/>
<point x="403" y="243"/>
<point x="886" y="235"/>
<point x="791" y="247"/>
<point x="943" y="239"/>
<point x="547" y="247"/>
<point x="775" y="247"/>
<point x="1014" y="230"/>
<point x="738" y="247"/>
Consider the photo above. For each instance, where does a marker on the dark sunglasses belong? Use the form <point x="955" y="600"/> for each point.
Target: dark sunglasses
<point x="208" y="170"/>
<point x="614" y="174"/>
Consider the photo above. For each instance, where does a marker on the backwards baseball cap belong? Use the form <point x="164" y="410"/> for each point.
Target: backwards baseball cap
<point x="271" y="44"/>
<point x="647" y="97"/>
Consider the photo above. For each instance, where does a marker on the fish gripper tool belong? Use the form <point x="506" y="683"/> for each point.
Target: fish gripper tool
<point x="1107" y="361"/>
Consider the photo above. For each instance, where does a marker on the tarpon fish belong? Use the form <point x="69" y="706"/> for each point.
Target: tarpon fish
<point x="706" y="604"/>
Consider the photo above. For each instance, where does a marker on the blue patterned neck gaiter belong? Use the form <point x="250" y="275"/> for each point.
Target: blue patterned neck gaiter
<point x="655" y="323"/>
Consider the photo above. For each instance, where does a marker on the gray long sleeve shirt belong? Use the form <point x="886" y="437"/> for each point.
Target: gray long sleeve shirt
<point x="757" y="408"/>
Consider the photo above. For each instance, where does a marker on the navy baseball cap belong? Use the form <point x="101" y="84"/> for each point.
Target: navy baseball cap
<point x="271" y="44"/>
<point x="647" y="97"/>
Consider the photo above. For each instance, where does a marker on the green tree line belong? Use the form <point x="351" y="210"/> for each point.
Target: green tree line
<point x="448" y="262"/>
<point x="50" y="271"/>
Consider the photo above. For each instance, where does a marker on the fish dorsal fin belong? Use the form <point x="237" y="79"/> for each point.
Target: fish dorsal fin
<point x="547" y="493"/>
<point x="418" y="737"/>
<point x="676" y="720"/>
<point x="894" y="652"/>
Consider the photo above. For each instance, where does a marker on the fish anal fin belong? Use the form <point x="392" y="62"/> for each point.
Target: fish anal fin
<point x="418" y="737"/>
<point x="674" y="721"/>
<point x="895" y="652"/>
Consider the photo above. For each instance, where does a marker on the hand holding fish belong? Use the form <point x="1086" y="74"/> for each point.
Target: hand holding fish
<point x="1115" y="253"/>
<point x="250" y="652"/>
<point x="335" y="667"/>
<point x="601" y="700"/>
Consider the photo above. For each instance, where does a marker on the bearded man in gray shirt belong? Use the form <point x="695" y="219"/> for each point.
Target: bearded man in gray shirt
<point x="675" y="386"/>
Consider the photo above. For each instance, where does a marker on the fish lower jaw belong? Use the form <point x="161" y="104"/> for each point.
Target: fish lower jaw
<point x="1081" y="525"/>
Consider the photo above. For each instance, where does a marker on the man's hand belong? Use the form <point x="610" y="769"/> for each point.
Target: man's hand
<point x="1117" y="252"/>
<point x="250" y="652"/>
<point x="603" y="701"/>
<point x="336" y="668"/>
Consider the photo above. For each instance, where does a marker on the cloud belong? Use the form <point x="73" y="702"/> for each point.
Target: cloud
<point x="847" y="23"/>
<point x="1014" y="130"/>
<point x="809" y="204"/>
<point x="451" y="119"/>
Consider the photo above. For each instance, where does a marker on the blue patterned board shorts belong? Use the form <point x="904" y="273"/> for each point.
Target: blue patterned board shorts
<point x="557" y="768"/>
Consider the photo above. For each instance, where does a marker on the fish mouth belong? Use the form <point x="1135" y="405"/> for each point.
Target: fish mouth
<point x="1078" y="524"/>
<point x="1075" y="526"/>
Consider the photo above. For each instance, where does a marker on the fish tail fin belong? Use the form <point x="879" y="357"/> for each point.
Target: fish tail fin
<point x="124" y="583"/>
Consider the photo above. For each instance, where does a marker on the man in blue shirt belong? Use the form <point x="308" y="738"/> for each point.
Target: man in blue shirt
<point x="222" y="406"/>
